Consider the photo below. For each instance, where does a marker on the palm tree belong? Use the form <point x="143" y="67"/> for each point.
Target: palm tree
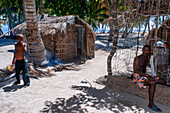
<point x="36" y="49"/>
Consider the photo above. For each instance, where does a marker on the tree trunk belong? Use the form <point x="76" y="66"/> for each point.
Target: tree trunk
<point x="36" y="49"/>
<point x="144" y="29"/>
<point x="19" y="17"/>
<point x="115" y="39"/>
<point x="131" y="29"/>
<point x="24" y="11"/>
<point x="125" y="33"/>
<point x="111" y="31"/>
<point x="138" y="38"/>
<point x="1" y="32"/>
<point x="148" y="26"/>
<point x="110" y="24"/>
<point x="40" y="7"/>
<point x="10" y="23"/>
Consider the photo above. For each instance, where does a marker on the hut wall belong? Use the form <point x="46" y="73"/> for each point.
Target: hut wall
<point x="162" y="56"/>
<point x="65" y="45"/>
<point x="162" y="53"/>
<point x="48" y="42"/>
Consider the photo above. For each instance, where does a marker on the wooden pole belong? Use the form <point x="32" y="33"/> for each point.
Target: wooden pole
<point x="138" y="38"/>
<point x="116" y="35"/>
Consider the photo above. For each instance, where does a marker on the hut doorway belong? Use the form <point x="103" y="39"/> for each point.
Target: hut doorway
<point x="81" y="51"/>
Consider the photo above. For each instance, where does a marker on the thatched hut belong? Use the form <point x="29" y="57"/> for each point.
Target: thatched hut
<point x="162" y="49"/>
<point x="153" y="7"/>
<point x="68" y="37"/>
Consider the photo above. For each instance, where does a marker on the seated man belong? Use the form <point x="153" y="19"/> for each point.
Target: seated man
<point x="142" y="79"/>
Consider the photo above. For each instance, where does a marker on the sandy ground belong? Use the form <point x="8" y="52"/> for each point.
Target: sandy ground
<point x="68" y="91"/>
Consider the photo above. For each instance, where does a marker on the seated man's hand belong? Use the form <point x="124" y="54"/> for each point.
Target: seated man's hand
<point x="151" y="78"/>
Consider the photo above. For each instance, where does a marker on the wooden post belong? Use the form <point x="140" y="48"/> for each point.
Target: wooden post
<point x="138" y="38"/>
<point x="81" y="51"/>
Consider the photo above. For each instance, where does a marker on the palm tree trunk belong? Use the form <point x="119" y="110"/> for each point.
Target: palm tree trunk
<point x="36" y="49"/>
<point x="115" y="39"/>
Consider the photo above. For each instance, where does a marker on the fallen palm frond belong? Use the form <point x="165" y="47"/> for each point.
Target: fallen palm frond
<point x="36" y="71"/>
<point x="5" y="72"/>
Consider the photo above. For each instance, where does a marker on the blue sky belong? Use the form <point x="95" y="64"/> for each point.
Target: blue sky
<point x="5" y="28"/>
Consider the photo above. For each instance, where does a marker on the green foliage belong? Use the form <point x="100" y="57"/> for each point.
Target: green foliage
<point x="11" y="11"/>
<point x="88" y="10"/>
<point x="96" y="14"/>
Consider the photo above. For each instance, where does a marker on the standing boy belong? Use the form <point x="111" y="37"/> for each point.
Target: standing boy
<point x="19" y="61"/>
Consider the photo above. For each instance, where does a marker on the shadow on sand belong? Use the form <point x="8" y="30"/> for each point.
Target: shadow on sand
<point x="123" y="43"/>
<point x="90" y="97"/>
<point x="11" y="50"/>
<point x="12" y="88"/>
<point x="5" y="42"/>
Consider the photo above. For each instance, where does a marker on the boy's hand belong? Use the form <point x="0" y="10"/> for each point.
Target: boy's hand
<point x="13" y="62"/>
<point x="21" y="43"/>
<point x="24" y="45"/>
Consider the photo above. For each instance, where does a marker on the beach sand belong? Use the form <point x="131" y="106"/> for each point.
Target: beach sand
<point x="71" y="91"/>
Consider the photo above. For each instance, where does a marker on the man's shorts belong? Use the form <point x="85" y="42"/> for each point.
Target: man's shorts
<point x="139" y="80"/>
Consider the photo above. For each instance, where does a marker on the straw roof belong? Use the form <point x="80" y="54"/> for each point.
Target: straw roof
<point x="144" y="7"/>
<point x="52" y="25"/>
<point x="150" y="36"/>
<point x="154" y="7"/>
<point x="136" y="8"/>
